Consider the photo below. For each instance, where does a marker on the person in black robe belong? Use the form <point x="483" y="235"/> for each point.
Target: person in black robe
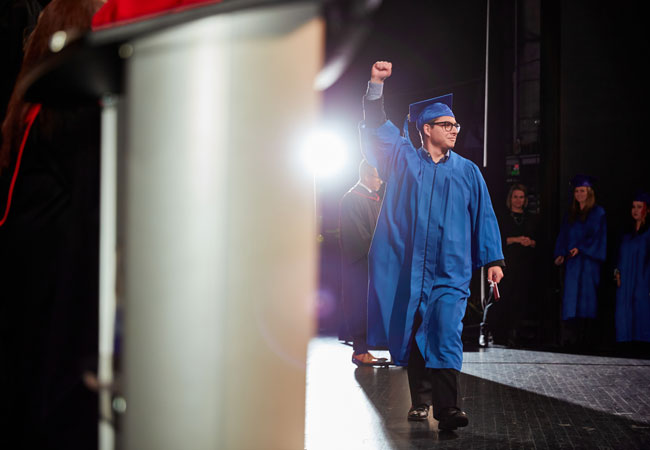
<point x="359" y="210"/>
<point x="49" y="246"/>
<point x="519" y="227"/>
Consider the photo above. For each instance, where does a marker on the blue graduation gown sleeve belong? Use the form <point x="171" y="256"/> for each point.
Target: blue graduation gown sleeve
<point x="380" y="146"/>
<point x="486" y="237"/>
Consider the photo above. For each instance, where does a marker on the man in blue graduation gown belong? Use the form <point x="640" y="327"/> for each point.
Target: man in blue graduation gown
<point x="436" y="226"/>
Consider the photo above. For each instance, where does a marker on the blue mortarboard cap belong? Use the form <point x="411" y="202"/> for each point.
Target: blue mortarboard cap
<point x="582" y="180"/>
<point x="641" y="196"/>
<point x="427" y="110"/>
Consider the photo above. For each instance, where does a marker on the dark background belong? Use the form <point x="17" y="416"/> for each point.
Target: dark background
<point x="567" y="94"/>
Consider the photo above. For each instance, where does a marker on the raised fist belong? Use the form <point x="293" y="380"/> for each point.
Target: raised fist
<point x="380" y="71"/>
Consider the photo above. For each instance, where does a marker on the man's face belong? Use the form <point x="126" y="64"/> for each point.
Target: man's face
<point x="372" y="180"/>
<point x="517" y="200"/>
<point x="639" y="210"/>
<point x="580" y="194"/>
<point x="438" y="136"/>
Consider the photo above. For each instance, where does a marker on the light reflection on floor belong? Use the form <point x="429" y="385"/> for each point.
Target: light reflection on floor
<point x="585" y="380"/>
<point x="334" y="397"/>
<point x="514" y="398"/>
<point x="351" y="407"/>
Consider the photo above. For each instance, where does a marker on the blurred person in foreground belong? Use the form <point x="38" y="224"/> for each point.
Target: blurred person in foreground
<point x="49" y="246"/>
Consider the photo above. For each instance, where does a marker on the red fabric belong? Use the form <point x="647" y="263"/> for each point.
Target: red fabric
<point x="120" y="12"/>
<point x="374" y="197"/>
<point x="29" y="120"/>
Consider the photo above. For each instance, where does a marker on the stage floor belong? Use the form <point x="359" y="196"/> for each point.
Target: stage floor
<point x="515" y="399"/>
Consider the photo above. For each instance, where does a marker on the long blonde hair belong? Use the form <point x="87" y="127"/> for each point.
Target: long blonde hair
<point x="575" y="212"/>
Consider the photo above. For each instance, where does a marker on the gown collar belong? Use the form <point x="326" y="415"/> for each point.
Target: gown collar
<point x="425" y="155"/>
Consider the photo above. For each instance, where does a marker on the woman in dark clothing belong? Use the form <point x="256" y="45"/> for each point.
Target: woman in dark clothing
<point x="518" y="237"/>
<point x="49" y="258"/>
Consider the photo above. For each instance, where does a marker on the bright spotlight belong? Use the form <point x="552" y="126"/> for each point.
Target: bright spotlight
<point x="324" y="153"/>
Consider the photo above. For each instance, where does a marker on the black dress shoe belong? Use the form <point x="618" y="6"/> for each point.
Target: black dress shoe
<point x="452" y="418"/>
<point x="420" y="413"/>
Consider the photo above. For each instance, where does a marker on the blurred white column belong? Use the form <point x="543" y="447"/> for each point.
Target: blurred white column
<point x="107" y="275"/>
<point x="219" y="236"/>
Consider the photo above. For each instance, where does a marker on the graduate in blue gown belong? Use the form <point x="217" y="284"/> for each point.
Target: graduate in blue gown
<point x="436" y="226"/>
<point x="633" y="277"/>
<point x="582" y="247"/>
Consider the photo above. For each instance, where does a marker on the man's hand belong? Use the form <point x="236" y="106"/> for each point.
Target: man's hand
<point x="573" y="252"/>
<point x="559" y="260"/>
<point x="380" y="71"/>
<point x="495" y="274"/>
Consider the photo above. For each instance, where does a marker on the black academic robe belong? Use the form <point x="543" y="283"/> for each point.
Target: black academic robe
<point x="359" y="210"/>
<point x="518" y="291"/>
<point x="518" y="287"/>
<point x="49" y="285"/>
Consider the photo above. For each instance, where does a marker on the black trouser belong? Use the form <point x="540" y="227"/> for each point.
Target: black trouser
<point x="354" y="278"/>
<point x="498" y="318"/>
<point x="437" y="387"/>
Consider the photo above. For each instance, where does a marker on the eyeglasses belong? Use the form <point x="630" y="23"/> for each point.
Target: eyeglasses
<point x="447" y="126"/>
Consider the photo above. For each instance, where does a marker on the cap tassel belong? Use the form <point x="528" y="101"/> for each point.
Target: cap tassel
<point x="405" y="130"/>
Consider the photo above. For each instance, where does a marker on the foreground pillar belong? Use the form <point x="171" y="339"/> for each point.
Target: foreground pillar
<point x="217" y="231"/>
